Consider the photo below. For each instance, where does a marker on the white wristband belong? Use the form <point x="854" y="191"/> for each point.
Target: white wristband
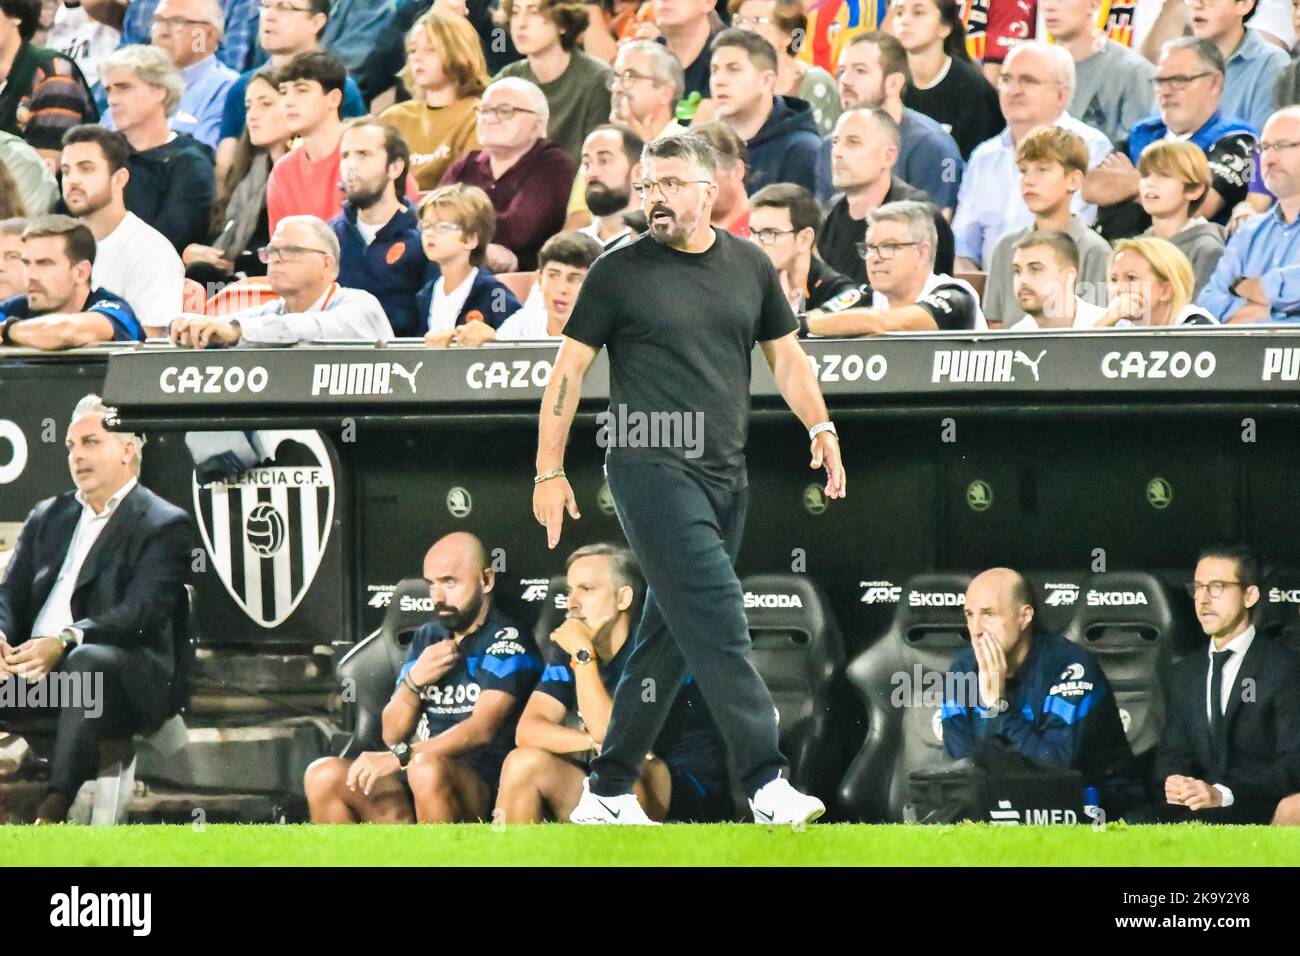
<point x="822" y="427"/>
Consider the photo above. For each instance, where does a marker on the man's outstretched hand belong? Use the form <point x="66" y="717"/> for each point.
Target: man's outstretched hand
<point x="826" y="450"/>
<point x="551" y="499"/>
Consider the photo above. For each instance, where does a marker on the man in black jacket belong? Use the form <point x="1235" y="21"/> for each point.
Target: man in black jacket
<point x="89" y="605"/>
<point x="1230" y="751"/>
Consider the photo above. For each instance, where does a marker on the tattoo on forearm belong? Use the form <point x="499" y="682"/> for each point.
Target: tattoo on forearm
<point x="559" y="399"/>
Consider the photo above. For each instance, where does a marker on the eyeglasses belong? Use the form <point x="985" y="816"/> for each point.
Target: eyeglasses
<point x="626" y="78"/>
<point x="1214" y="587"/>
<point x="669" y="187"/>
<point x="884" y="250"/>
<point x="440" y="225"/>
<point x="502" y="113"/>
<point x="1028" y="82"/>
<point x="751" y="21"/>
<point x="286" y="253"/>
<point x="767" y="237"/>
<point x="1266" y="148"/>
<point x="178" y="23"/>
<point x="282" y="7"/>
<point x="1177" y="83"/>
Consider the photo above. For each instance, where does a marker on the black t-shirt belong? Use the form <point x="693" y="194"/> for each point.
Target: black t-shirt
<point x="952" y="307"/>
<point x="963" y="103"/>
<point x="841" y="233"/>
<point x="680" y="328"/>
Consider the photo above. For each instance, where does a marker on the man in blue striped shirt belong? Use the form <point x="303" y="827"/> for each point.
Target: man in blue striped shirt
<point x="1258" y="277"/>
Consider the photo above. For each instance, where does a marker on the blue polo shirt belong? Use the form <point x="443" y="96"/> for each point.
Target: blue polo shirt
<point x="392" y="267"/>
<point x="1250" y="78"/>
<point x="1267" y="247"/>
<point x="126" y="327"/>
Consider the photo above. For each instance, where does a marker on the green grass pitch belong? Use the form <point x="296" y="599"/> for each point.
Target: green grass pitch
<point x="680" y="845"/>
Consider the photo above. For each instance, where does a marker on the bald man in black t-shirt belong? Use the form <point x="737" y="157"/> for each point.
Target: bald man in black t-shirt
<point x="680" y="309"/>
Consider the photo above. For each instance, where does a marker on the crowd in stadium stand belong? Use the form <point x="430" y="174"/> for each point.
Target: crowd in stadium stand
<point x="1077" y="162"/>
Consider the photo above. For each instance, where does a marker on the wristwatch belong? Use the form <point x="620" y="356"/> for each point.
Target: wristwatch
<point x="67" y="638"/>
<point x="402" y="751"/>
<point x="822" y="427"/>
<point x="583" y="656"/>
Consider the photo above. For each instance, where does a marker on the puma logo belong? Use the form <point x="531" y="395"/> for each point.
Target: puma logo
<point x="401" y="372"/>
<point x="1021" y="358"/>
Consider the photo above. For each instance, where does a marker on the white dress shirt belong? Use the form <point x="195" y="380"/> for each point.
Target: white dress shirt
<point x="57" y="612"/>
<point x="1086" y="316"/>
<point x="340" y="313"/>
<point x="1239" y="645"/>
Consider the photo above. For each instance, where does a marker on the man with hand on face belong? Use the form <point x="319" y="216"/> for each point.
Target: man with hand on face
<point x="1039" y="695"/>
<point x="1230" y="749"/>
<point x="565" y="720"/>
<point x="457" y="698"/>
<point x="682" y="504"/>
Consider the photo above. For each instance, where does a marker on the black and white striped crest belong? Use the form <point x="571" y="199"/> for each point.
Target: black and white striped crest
<point x="266" y="529"/>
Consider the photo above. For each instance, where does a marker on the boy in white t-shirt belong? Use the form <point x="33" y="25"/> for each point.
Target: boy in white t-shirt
<point x="562" y="266"/>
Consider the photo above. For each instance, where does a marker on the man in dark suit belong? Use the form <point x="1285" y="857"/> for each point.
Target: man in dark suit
<point x="1230" y="751"/>
<point x="89" y="605"/>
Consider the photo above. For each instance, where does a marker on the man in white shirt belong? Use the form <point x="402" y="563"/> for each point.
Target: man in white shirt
<point x="131" y="257"/>
<point x="302" y="267"/>
<point x="1045" y="271"/>
<point x="1034" y="88"/>
<point x="90" y="606"/>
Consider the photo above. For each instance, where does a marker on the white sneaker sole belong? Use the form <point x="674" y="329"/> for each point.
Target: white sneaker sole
<point x="812" y="814"/>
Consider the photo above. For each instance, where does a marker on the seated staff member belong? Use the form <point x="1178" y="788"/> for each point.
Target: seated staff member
<point x="908" y="296"/>
<point x="684" y="780"/>
<point x="565" y="260"/>
<point x="60" y="309"/>
<point x="1038" y="694"/>
<point x="457" y="697"/>
<point x="784" y="221"/>
<point x="303" y="268"/>
<point x="456" y="227"/>
<point x="1230" y="748"/>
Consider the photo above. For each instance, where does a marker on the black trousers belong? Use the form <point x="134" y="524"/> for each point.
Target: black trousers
<point x="685" y="532"/>
<point x="103" y="711"/>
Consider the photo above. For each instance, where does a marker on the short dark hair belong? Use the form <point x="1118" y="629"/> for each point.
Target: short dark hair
<point x="632" y="143"/>
<point x="317" y="66"/>
<point x="78" y="240"/>
<point x="395" y="147"/>
<point x="320" y="6"/>
<point x="112" y="143"/>
<point x="569" y="16"/>
<point x="893" y="58"/>
<point x="1246" y="560"/>
<point x="27" y="13"/>
<point x="1067" y="253"/>
<point x="761" y="53"/>
<point x="692" y="147"/>
<point x="572" y="248"/>
<point x="801" y="204"/>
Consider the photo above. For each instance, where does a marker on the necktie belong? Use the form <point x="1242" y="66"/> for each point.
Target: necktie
<point x="1218" y="723"/>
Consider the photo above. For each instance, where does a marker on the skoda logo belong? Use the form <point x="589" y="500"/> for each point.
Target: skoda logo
<point x="459" y="503"/>
<point x="605" y="499"/>
<point x="1159" y="493"/>
<point x="979" y="496"/>
<point x="814" y="499"/>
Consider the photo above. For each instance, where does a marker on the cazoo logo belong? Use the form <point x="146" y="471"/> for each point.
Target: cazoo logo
<point x="1157" y="364"/>
<point x="831" y="367"/>
<point x="520" y="373"/>
<point x="211" y="380"/>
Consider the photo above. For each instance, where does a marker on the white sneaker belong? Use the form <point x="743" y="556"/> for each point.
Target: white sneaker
<point x="623" y="810"/>
<point x="778" y="802"/>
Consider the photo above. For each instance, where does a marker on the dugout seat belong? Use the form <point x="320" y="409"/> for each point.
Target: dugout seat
<point x="1131" y="622"/>
<point x="928" y="631"/>
<point x="243" y="294"/>
<point x="799" y="652"/>
<point x="554" y="608"/>
<point x="370" y="669"/>
<point x="1277" y="615"/>
<point x="519" y="283"/>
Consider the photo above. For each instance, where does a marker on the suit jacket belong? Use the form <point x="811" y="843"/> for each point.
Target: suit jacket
<point x="1261" y="760"/>
<point x="488" y="296"/>
<point x="130" y="592"/>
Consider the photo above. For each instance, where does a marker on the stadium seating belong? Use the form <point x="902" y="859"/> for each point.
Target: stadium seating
<point x="1277" y="615"/>
<point x="928" y="631"/>
<point x="244" y="294"/>
<point x="1131" y="622"/>
<point x="799" y="653"/>
<point x="520" y="283"/>
<point x="370" y="669"/>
